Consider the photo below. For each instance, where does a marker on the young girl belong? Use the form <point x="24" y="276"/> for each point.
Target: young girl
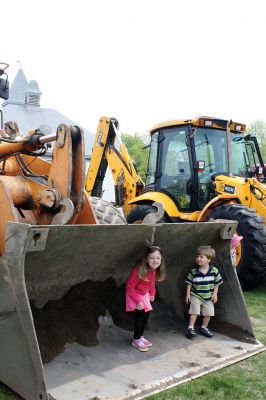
<point x="234" y="244"/>
<point x="140" y="292"/>
<point x="11" y="130"/>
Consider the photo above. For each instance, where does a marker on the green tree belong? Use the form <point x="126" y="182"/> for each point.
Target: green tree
<point x="258" y="128"/>
<point x="134" y="144"/>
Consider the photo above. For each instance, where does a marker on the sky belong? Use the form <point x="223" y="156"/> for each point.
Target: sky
<point x="142" y="61"/>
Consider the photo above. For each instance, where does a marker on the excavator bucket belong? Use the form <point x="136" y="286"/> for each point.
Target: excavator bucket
<point x="64" y="331"/>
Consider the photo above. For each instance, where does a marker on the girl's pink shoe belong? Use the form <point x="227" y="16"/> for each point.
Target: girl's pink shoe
<point x="146" y="341"/>
<point x="139" y="344"/>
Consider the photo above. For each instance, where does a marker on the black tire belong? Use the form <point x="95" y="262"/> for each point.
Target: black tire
<point x="251" y="269"/>
<point x="137" y="215"/>
<point x="106" y="213"/>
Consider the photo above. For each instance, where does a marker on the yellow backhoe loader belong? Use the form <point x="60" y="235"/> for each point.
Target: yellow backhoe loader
<point x="64" y="333"/>
<point x="199" y="169"/>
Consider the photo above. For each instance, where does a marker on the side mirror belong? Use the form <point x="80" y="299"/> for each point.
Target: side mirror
<point x="259" y="169"/>
<point x="4" y="89"/>
<point x="200" y="166"/>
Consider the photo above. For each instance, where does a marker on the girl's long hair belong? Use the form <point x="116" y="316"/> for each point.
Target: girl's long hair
<point x="13" y="126"/>
<point x="144" y="268"/>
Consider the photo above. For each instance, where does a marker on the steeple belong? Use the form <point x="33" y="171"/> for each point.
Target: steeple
<point x="32" y="95"/>
<point x="17" y="89"/>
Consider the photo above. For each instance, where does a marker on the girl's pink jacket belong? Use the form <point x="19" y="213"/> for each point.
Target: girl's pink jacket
<point x="139" y="290"/>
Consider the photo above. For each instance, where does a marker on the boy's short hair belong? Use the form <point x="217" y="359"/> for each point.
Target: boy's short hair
<point x="207" y="251"/>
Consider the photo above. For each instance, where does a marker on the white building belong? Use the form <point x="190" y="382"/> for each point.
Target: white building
<point x="24" y="107"/>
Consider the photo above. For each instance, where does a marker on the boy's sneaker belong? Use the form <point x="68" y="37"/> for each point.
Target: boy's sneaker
<point x="146" y="341"/>
<point x="139" y="344"/>
<point x="190" y="333"/>
<point x="206" y="332"/>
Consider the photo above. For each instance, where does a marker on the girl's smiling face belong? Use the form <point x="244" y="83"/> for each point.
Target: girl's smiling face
<point x="154" y="260"/>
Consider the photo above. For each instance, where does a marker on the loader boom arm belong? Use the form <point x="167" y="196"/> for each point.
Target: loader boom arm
<point x="34" y="141"/>
<point x="35" y="191"/>
<point x="105" y="153"/>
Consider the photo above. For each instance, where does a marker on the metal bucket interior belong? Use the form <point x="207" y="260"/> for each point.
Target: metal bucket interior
<point x="63" y="307"/>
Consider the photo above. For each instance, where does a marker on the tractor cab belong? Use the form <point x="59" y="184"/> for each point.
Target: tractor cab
<point x="186" y="156"/>
<point x="257" y="166"/>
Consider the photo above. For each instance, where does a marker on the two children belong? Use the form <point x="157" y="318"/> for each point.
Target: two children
<point x="202" y="289"/>
<point x="140" y="292"/>
<point x="201" y="293"/>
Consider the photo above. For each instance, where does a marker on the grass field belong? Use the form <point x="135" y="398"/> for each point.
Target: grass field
<point x="243" y="381"/>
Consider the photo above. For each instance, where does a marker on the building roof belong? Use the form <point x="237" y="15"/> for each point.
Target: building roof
<point x="23" y="106"/>
<point x="33" y="88"/>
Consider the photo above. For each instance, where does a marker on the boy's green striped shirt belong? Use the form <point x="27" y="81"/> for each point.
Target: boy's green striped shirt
<point x="203" y="284"/>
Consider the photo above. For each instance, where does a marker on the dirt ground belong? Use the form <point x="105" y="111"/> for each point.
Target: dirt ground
<point x="74" y="318"/>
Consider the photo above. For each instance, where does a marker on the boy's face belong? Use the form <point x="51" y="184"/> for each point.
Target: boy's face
<point x="202" y="260"/>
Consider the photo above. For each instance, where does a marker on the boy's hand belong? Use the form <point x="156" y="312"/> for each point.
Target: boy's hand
<point x="151" y="298"/>
<point x="140" y="306"/>
<point x="188" y="298"/>
<point x="214" y="298"/>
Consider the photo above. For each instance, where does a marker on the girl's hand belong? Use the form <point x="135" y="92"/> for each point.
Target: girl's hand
<point x="140" y="306"/>
<point x="151" y="298"/>
<point x="3" y="133"/>
<point x="188" y="298"/>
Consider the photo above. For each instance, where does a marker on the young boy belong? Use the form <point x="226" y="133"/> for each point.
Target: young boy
<point x="202" y="288"/>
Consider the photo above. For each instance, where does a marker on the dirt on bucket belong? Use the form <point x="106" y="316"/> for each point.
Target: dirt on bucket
<point x="74" y="318"/>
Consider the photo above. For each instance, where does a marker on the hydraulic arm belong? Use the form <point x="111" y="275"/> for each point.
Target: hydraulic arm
<point x="34" y="191"/>
<point x="106" y="153"/>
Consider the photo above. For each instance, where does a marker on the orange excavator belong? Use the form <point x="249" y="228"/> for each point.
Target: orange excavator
<point x="64" y="333"/>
